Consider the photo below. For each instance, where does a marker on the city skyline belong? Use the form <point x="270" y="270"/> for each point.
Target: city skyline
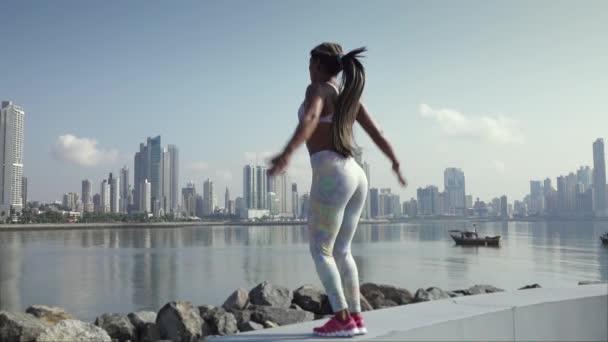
<point x="494" y="101"/>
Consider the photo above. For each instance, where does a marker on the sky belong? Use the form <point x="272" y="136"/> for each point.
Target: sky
<point x="507" y="91"/>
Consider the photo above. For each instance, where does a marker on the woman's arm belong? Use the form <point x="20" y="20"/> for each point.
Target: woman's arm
<point x="306" y="127"/>
<point x="377" y="136"/>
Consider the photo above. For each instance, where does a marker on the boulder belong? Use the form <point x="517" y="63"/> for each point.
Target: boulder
<point x="460" y="293"/>
<point x="270" y="295"/>
<point x="220" y="322"/>
<point x="295" y="306"/>
<point x="481" y="289"/>
<point x="281" y="316"/>
<point x="312" y="298"/>
<point x="50" y="314"/>
<point x="205" y="311"/>
<point x="238" y="300"/>
<point x="453" y="294"/>
<point x="20" y="327"/>
<point x="242" y="316"/>
<point x="400" y="296"/>
<point x="528" y="287"/>
<point x="365" y="305"/>
<point x="436" y="293"/>
<point x="144" y="322"/>
<point x="179" y="321"/>
<point x="74" y="331"/>
<point x="250" y="326"/>
<point x="117" y="325"/>
<point x="377" y="300"/>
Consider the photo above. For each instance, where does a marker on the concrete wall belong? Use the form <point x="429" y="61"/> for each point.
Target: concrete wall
<point x="567" y="314"/>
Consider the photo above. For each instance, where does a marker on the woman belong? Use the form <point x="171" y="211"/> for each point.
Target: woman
<point x="339" y="185"/>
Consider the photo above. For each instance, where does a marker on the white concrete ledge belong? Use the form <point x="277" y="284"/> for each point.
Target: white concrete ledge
<point x="566" y="314"/>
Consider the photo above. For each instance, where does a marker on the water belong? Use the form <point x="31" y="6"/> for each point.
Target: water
<point x="90" y="272"/>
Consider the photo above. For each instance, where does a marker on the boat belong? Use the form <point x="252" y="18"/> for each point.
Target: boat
<point x="469" y="238"/>
<point x="604" y="238"/>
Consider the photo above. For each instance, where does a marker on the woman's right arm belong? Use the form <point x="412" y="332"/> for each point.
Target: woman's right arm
<point x="377" y="136"/>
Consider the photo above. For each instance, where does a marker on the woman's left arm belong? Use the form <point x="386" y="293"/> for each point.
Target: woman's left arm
<point x="306" y="127"/>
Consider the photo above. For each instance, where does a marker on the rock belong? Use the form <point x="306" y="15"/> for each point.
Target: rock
<point x="250" y="326"/>
<point x="117" y="325"/>
<point x="453" y="294"/>
<point x="242" y="316"/>
<point x="481" y="289"/>
<point x="295" y="306"/>
<point x="436" y="293"/>
<point x="221" y="322"/>
<point x="50" y="314"/>
<point x="205" y="311"/>
<point x="270" y="324"/>
<point x="281" y="316"/>
<point x="460" y="293"/>
<point x="238" y="300"/>
<point x="590" y="282"/>
<point x="271" y="295"/>
<point x="20" y="327"/>
<point x="179" y="321"/>
<point x="400" y="296"/>
<point x="144" y="322"/>
<point x="312" y="298"/>
<point x="377" y="300"/>
<point x="74" y="331"/>
<point x="365" y="305"/>
<point x="421" y="296"/>
<point x="533" y="286"/>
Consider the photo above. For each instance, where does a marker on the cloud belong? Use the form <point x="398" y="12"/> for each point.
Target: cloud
<point x="198" y="166"/>
<point x="499" y="129"/>
<point x="82" y="151"/>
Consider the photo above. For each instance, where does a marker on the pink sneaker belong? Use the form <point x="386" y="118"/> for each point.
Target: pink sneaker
<point x="335" y="328"/>
<point x="361" y="329"/>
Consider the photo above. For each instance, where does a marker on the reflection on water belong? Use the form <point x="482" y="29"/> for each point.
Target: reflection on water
<point x="120" y="270"/>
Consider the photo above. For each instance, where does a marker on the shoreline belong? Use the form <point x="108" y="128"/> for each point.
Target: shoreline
<point x="122" y="225"/>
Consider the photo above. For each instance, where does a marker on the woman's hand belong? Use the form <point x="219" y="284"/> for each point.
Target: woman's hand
<point x="278" y="163"/>
<point x="400" y="177"/>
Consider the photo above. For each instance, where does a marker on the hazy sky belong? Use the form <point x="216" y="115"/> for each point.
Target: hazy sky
<point x="508" y="91"/>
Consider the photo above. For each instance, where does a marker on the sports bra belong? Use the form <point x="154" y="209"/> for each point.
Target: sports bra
<point x="325" y="118"/>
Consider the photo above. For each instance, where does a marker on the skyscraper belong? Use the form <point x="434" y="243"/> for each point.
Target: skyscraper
<point x="454" y="183"/>
<point x="123" y="202"/>
<point x="114" y="193"/>
<point x="295" y="200"/>
<point x="249" y="187"/>
<point x="11" y="157"/>
<point x="537" y="199"/>
<point x="584" y="175"/>
<point x="374" y="202"/>
<point x="87" y="198"/>
<point x="226" y="200"/>
<point x="504" y="207"/>
<point x="599" y="178"/>
<point x="105" y="196"/>
<point x="141" y="171"/>
<point x="208" y="195"/>
<point x="428" y="201"/>
<point x="173" y="177"/>
<point x="145" y="192"/>
<point x="189" y="199"/>
<point x="261" y="187"/>
<point x="24" y="191"/>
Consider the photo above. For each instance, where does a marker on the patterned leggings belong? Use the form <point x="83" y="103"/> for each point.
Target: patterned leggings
<point x="337" y="197"/>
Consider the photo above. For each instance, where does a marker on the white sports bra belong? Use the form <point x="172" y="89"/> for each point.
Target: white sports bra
<point x="326" y="118"/>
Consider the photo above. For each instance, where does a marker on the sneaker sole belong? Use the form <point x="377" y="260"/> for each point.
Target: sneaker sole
<point x="339" y="333"/>
<point x="360" y="331"/>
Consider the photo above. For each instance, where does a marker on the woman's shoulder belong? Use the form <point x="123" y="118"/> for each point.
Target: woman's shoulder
<point x="322" y="89"/>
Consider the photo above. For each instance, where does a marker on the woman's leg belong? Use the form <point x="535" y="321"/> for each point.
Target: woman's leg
<point x="342" y="246"/>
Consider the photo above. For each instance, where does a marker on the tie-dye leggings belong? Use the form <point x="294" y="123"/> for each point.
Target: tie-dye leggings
<point x="337" y="198"/>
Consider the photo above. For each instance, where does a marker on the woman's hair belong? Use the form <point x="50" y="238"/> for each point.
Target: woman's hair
<point x="333" y="61"/>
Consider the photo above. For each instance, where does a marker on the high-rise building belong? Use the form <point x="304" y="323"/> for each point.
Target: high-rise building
<point x="599" y="178"/>
<point x="145" y="192"/>
<point x="584" y="175"/>
<point x="504" y="207"/>
<point x="469" y="201"/>
<point x="70" y="201"/>
<point x="273" y="203"/>
<point x="295" y="200"/>
<point x="141" y="171"/>
<point x="428" y="201"/>
<point x="123" y="202"/>
<point x="261" y="187"/>
<point x="11" y="158"/>
<point x="239" y="206"/>
<point x="87" y="198"/>
<point x="97" y="203"/>
<point x="305" y="206"/>
<point x="454" y="183"/>
<point x="189" y="199"/>
<point x="173" y="178"/>
<point x="230" y="209"/>
<point x="149" y="164"/>
<point x="249" y="187"/>
<point x="24" y="191"/>
<point x="280" y="185"/>
<point x="114" y="194"/>
<point x="226" y="199"/>
<point x="105" y="196"/>
<point x="156" y="161"/>
<point x="537" y="199"/>
<point x="200" y="206"/>
<point x="208" y="195"/>
<point x="374" y="202"/>
<point x="411" y="208"/>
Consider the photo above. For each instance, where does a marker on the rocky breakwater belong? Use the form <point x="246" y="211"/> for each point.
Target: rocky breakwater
<point x="264" y="306"/>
